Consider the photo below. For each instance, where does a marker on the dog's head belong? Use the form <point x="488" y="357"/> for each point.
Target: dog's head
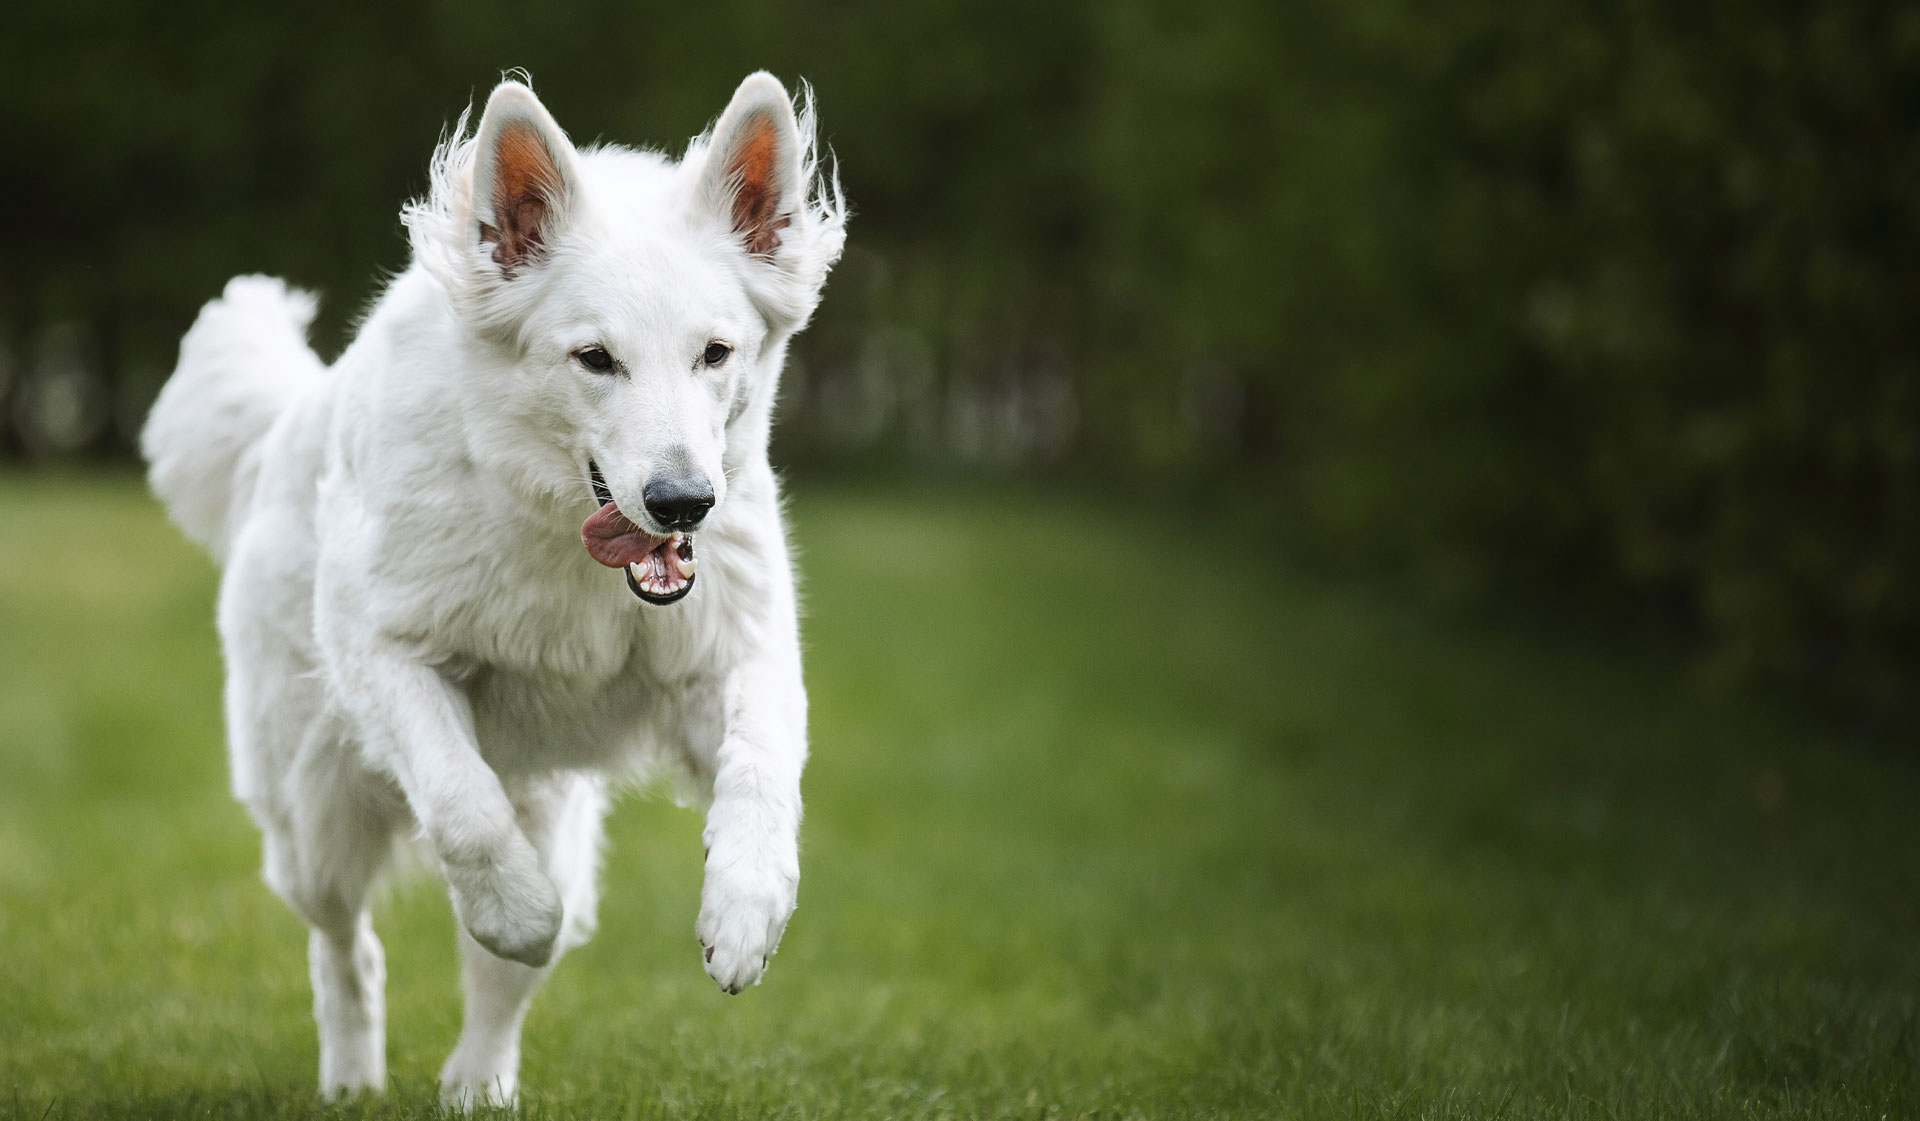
<point x="635" y="311"/>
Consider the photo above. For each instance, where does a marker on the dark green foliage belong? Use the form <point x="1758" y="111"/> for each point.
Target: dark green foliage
<point x="1597" y="308"/>
<point x="1672" y="248"/>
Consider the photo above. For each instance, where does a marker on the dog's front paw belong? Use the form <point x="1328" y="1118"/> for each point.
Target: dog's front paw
<point x="744" y="907"/>
<point x="468" y="1091"/>
<point x="510" y="907"/>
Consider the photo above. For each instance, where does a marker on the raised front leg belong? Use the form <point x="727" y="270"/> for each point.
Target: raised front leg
<point x="753" y="825"/>
<point x="420" y="728"/>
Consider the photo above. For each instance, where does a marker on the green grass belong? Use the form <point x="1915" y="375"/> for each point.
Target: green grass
<point x="1260" y="846"/>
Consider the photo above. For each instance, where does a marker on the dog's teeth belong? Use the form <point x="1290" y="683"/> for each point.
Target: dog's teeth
<point x="686" y="568"/>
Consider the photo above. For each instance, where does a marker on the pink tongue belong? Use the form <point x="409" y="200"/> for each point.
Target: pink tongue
<point x="614" y="541"/>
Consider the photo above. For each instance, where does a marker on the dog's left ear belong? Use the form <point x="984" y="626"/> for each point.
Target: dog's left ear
<point x="754" y="179"/>
<point x="523" y="178"/>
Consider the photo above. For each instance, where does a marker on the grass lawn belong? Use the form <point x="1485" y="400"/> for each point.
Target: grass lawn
<point x="1245" y="844"/>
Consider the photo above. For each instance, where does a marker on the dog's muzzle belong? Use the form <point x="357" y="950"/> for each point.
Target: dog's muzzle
<point x="659" y="570"/>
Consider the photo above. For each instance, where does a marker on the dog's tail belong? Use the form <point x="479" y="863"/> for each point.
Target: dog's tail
<point x="243" y="360"/>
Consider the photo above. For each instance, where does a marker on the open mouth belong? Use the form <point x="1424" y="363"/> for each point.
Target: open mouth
<point x="659" y="569"/>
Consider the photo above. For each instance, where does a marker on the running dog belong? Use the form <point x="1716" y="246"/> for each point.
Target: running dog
<point x="459" y="593"/>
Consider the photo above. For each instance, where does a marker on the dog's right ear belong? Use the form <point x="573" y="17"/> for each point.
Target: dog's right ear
<point x="755" y="175"/>
<point x="524" y="178"/>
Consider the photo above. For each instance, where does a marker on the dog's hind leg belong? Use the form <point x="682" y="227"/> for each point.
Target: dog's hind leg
<point x="322" y="856"/>
<point x="327" y="821"/>
<point x="562" y="817"/>
<point x="350" y="1005"/>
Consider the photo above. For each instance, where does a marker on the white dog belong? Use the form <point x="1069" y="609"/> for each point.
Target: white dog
<point x="420" y="632"/>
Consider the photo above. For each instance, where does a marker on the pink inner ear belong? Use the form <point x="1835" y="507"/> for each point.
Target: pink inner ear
<point x="756" y="197"/>
<point x="525" y="179"/>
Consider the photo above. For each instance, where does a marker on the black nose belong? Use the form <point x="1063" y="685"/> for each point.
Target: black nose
<point x="679" y="503"/>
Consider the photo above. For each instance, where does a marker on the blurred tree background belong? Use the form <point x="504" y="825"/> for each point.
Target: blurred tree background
<point x="1600" y="310"/>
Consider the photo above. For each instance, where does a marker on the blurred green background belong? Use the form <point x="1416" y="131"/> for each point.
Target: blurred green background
<point x="1360" y="558"/>
<point x="1606" y="309"/>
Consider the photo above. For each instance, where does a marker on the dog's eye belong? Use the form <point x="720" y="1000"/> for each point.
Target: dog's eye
<point x="717" y="353"/>
<point x="595" y="358"/>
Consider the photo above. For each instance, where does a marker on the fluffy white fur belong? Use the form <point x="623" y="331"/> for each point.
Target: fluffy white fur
<point x="416" y="640"/>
